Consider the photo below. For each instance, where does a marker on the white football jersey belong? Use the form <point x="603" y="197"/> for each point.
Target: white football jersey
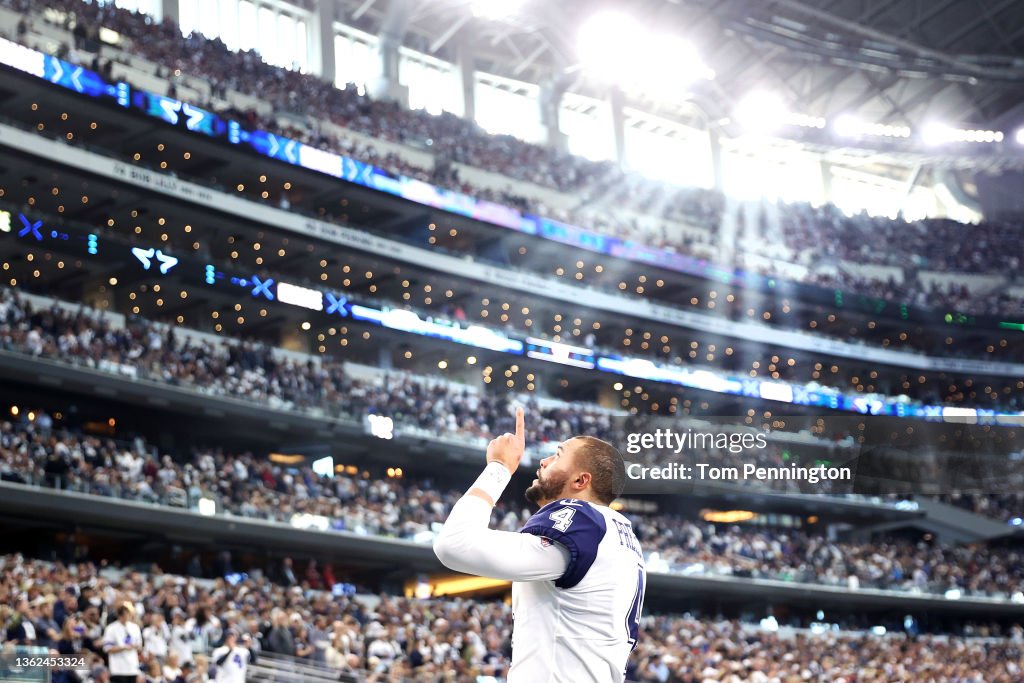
<point x="234" y="667"/>
<point x="582" y="626"/>
<point x="125" y="662"/>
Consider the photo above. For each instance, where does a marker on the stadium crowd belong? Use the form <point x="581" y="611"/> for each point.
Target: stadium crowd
<point x="1003" y="507"/>
<point x="257" y="372"/>
<point x="432" y="407"/>
<point x="829" y="234"/>
<point x="155" y="354"/>
<point x="822" y="235"/>
<point x="375" y="638"/>
<point x="392" y="638"/>
<point x="36" y="452"/>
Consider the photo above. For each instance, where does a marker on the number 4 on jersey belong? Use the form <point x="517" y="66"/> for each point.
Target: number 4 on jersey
<point x="633" y="617"/>
<point x="562" y="518"/>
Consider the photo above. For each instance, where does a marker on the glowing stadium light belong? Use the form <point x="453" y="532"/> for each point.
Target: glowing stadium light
<point x="850" y="126"/>
<point x="936" y="133"/>
<point x="616" y="48"/>
<point x="847" y="126"/>
<point x="892" y="131"/>
<point x="670" y="60"/>
<point x="608" y="43"/>
<point x="495" y="9"/>
<point x="805" y="120"/>
<point x="761" y="112"/>
<point x="1019" y="136"/>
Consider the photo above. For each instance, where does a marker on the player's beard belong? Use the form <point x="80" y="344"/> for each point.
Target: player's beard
<point x="547" y="488"/>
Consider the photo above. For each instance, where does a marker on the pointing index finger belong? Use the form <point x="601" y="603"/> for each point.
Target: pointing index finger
<point x="520" y="425"/>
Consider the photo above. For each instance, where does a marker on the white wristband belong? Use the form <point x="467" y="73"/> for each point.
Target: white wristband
<point x="493" y="480"/>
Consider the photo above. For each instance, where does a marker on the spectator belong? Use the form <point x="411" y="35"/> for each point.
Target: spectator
<point x="46" y="627"/>
<point x="280" y="638"/>
<point x="231" y="660"/>
<point x="156" y="637"/>
<point x="122" y="641"/>
<point x="20" y="629"/>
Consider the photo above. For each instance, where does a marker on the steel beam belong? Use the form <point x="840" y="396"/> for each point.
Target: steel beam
<point x="363" y="8"/>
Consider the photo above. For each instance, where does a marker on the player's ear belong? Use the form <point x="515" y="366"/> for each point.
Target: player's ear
<point x="582" y="481"/>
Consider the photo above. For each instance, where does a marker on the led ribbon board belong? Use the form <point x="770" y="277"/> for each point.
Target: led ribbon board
<point x="303" y="297"/>
<point x="154" y="257"/>
<point x="179" y="113"/>
<point x="59" y="72"/>
<point x="556" y="352"/>
<point x="407" y="321"/>
<point x="331" y="304"/>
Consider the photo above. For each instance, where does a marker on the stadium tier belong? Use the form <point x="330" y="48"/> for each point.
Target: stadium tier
<point x="842" y="248"/>
<point x="281" y="279"/>
<point x="449" y="297"/>
<point x="34" y="453"/>
<point x="366" y="635"/>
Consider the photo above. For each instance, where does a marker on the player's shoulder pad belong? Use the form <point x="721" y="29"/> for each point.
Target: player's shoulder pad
<point x="577" y="526"/>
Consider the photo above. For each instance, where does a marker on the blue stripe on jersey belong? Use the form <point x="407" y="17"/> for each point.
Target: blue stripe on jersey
<point x="577" y="526"/>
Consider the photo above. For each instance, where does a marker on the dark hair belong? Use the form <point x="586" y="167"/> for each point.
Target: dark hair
<point x="606" y="467"/>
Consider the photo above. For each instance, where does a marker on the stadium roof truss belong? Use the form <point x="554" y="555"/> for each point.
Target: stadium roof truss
<point x="897" y="62"/>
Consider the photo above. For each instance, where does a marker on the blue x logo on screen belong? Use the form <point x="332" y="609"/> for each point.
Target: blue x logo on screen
<point x="262" y="287"/>
<point x="335" y="304"/>
<point x="30" y="228"/>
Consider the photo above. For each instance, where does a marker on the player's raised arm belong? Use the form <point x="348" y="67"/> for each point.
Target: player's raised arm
<point x="503" y="452"/>
<point x="466" y="544"/>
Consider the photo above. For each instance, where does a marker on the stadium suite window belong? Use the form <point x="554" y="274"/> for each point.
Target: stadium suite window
<point x="247" y="38"/>
<point x="684" y="159"/>
<point x="355" y="60"/>
<point x="589" y="128"/>
<point x="230" y="23"/>
<point x="277" y="33"/>
<point x="265" y="31"/>
<point x="150" y="7"/>
<point x="285" y="40"/>
<point x="513" y="110"/>
<point x="791" y="177"/>
<point x="433" y="84"/>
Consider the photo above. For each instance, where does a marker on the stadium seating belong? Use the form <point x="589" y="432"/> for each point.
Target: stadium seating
<point x="360" y="638"/>
<point x="889" y="554"/>
<point x="239" y="84"/>
<point x="35" y="452"/>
